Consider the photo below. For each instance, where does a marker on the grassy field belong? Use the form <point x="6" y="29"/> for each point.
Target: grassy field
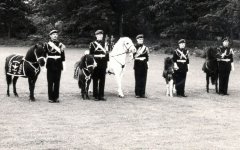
<point x="200" y="121"/>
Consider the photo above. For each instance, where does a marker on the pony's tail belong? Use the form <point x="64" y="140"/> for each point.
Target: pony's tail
<point x="8" y="77"/>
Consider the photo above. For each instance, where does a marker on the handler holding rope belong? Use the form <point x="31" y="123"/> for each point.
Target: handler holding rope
<point x="101" y="57"/>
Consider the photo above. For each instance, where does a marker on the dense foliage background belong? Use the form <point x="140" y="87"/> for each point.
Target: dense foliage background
<point x="171" y="19"/>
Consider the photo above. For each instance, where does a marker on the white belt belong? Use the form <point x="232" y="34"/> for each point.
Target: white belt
<point x="140" y="58"/>
<point x="182" y="61"/>
<point x="54" y="57"/>
<point x="99" y="56"/>
<point x="226" y="60"/>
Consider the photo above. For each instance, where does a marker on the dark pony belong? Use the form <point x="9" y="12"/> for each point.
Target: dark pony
<point x="210" y="67"/>
<point x="28" y="67"/>
<point x="83" y="73"/>
<point x="168" y="74"/>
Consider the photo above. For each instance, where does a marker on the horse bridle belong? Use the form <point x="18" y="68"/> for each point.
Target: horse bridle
<point x="87" y="77"/>
<point x="38" y="58"/>
<point x="31" y="63"/>
<point x="127" y="51"/>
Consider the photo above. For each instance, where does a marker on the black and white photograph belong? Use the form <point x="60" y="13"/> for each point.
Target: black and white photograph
<point x="119" y="74"/>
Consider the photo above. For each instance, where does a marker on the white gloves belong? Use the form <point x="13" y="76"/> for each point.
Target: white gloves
<point x="232" y="67"/>
<point x="64" y="66"/>
<point x="175" y="66"/>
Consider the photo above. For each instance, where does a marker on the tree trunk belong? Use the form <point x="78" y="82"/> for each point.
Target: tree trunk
<point x="121" y="25"/>
<point x="9" y="30"/>
<point x="231" y="33"/>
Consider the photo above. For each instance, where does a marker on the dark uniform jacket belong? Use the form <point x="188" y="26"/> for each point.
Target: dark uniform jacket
<point x="98" y="51"/>
<point x="55" y="64"/>
<point x="142" y="52"/>
<point x="180" y="56"/>
<point x="226" y="60"/>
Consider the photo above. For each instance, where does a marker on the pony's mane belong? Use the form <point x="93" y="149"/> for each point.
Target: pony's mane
<point x="167" y="63"/>
<point x="209" y="53"/>
<point x="31" y="48"/>
<point x="119" y="43"/>
<point x="85" y="58"/>
<point x="34" y="46"/>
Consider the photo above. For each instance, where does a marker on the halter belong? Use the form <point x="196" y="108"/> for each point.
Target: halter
<point x="127" y="51"/>
<point x="37" y="58"/>
<point x="36" y="69"/>
<point x="87" y="66"/>
<point x="87" y="77"/>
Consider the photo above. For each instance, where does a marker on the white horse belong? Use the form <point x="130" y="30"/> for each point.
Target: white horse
<point x="117" y="60"/>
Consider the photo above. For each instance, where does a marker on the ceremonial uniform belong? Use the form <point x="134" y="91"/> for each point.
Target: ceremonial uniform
<point x="140" y="68"/>
<point x="99" y="74"/>
<point x="180" y="57"/>
<point x="225" y="55"/>
<point x="54" y="65"/>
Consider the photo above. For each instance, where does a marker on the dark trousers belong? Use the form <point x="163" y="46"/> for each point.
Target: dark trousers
<point x="223" y="81"/>
<point x="180" y="80"/>
<point x="140" y="81"/>
<point x="98" y="77"/>
<point x="53" y="78"/>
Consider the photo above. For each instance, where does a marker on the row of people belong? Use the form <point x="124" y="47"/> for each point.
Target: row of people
<point x="56" y="63"/>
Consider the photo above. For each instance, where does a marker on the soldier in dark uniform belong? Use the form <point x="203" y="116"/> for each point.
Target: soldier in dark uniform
<point x="101" y="56"/>
<point x="225" y="65"/>
<point x="55" y="64"/>
<point x="181" y="65"/>
<point x="140" y="67"/>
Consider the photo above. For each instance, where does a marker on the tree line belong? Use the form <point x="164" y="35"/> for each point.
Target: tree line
<point x="198" y="19"/>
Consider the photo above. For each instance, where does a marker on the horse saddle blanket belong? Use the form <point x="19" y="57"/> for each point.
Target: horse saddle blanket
<point x="77" y="70"/>
<point x="16" y="66"/>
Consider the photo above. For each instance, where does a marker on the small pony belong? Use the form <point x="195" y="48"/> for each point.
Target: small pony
<point x="168" y="74"/>
<point x="83" y="70"/>
<point x="210" y="67"/>
<point x="28" y="67"/>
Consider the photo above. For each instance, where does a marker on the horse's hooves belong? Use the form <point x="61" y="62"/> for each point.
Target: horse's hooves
<point x="32" y="99"/>
<point x="121" y="96"/>
<point x="8" y="95"/>
<point x="83" y="97"/>
<point x="16" y="95"/>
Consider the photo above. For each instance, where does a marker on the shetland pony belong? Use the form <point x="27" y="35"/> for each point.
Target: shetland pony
<point x="83" y="73"/>
<point x="168" y="74"/>
<point x="28" y="67"/>
<point x="210" y="67"/>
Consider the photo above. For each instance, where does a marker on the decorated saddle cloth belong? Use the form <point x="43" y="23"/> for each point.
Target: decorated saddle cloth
<point x="77" y="70"/>
<point x="16" y="66"/>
